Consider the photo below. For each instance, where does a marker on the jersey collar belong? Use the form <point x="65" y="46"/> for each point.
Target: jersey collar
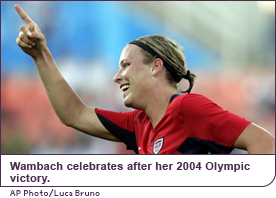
<point x="173" y="97"/>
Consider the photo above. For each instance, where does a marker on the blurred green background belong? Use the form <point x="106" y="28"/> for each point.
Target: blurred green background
<point x="229" y="45"/>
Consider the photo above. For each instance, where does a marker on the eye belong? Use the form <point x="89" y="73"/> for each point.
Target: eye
<point x="125" y="65"/>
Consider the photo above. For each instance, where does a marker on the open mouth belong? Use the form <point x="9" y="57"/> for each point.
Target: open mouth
<point x="125" y="87"/>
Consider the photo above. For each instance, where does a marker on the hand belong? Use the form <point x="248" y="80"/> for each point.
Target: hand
<point x="30" y="39"/>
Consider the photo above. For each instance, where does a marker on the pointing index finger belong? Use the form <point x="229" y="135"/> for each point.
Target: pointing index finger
<point x="23" y="14"/>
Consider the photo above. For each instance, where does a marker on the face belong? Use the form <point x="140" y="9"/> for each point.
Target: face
<point x="133" y="77"/>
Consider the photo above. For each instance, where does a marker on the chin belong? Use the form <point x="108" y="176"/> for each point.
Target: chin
<point x="131" y="104"/>
<point x="127" y="103"/>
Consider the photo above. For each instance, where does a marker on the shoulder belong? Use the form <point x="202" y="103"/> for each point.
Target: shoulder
<point x="191" y="96"/>
<point x="194" y="104"/>
<point x="191" y="99"/>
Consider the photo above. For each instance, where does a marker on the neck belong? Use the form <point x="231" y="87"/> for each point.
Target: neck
<point x="157" y="104"/>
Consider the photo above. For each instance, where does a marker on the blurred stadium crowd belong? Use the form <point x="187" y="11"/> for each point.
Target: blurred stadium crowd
<point x="86" y="39"/>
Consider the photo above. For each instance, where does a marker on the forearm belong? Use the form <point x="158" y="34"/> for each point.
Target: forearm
<point x="66" y="103"/>
<point x="64" y="100"/>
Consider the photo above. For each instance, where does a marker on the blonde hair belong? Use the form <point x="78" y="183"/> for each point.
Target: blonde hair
<point x="172" y="55"/>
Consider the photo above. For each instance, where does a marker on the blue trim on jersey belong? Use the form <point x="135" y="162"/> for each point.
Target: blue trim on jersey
<point x="197" y="146"/>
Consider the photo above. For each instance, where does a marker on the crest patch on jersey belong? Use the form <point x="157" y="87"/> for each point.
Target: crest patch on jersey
<point x="158" y="144"/>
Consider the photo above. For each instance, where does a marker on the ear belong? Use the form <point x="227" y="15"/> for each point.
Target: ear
<point x="157" y="66"/>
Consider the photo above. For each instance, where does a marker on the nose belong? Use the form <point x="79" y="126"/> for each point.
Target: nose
<point x="118" y="77"/>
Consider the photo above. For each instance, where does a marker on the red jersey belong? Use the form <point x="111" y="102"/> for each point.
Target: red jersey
<point x="192" y="124"/>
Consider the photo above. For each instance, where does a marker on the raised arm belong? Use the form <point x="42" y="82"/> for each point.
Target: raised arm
<point x="66" y="103"/>
<point x="256" y="140"/>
